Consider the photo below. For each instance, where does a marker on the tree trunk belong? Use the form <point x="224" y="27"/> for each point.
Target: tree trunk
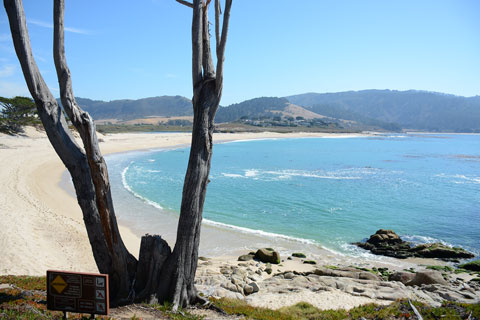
<point x="159" y="273"/>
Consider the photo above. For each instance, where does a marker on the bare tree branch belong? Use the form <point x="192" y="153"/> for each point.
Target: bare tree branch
<point x="221" y="47"/>
<point x="186" y="3"/>
<point x="208" y="67"/>
<point x="197" y="43"/>
<point x="218" y="12"/>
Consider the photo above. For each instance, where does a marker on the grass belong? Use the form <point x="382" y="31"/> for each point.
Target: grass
<point x="397" y="310"/>
<point x="441" y="268"/>
<point x="26" y="301"/>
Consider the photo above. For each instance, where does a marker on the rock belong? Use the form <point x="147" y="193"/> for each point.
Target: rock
<point x="403" y="277"/>
<point x="346" y="273"/>
<point x="472" y="266"/>
<point x="247" y="289"/>
<point x="269" y="269"/>
<point x="427" y="277"/>
<point x="388" y="243"/>
<point x="441" y="251"/>
<point x="254" y="286"/>
<point x="309" y="262"/>
<point x="289" y="275"/>
<point x="298" y="255"/>
<point x="268" y="255"/>
<point x="245" y="257"/>
<point x="383" y="236"/>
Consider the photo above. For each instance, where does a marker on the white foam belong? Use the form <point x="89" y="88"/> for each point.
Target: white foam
<point x="259" y="232"/>
<point x="461" y="177"/>
<point x="129" y="189"/>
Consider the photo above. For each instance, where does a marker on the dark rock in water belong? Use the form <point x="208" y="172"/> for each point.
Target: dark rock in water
<point x="388" y="243"/>
<point x="268" y="255"/>
<point x="427" y="277"/>
<point x="473" y="266"/>
<point x="298" y="255"/>
<point x="441" y="251"/>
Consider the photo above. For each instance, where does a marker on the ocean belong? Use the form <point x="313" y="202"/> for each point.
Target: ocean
<point x="325" y="192"/>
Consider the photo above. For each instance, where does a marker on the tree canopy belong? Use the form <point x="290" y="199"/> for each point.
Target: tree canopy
<point x="15" y="113"/>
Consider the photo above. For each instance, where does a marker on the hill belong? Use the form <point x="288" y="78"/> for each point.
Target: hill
<point x="404" y="109"/>
<point x="164" y="106"/>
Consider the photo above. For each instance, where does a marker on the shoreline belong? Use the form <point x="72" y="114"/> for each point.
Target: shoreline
<point x="43" y="222"/>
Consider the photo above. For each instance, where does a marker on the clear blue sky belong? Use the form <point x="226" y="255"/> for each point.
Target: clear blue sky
<point x="127" y="49"/>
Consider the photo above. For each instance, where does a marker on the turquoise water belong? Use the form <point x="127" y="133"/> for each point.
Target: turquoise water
<point x="329" y="191"/>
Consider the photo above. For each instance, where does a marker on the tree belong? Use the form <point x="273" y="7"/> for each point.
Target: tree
<point x="159" y="272"/>
<point x="15" y="113"/>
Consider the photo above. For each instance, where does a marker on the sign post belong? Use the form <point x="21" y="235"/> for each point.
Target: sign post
<point x="77" y="292"/>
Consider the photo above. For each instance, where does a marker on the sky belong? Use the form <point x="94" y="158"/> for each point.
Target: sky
<point x="123" y="49"/>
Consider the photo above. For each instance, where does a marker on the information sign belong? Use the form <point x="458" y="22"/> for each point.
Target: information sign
<point x="77" y="292"/>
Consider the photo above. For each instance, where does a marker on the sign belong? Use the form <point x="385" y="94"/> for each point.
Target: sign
<point x="77" y="292"/>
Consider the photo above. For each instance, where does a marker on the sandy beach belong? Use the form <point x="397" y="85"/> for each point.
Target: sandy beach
<point x="41" y="227"/>
<point x="41" y="223"/>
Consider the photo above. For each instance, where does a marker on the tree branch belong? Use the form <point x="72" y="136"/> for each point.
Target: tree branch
<point x="185" y="3"/>
<point x="208" y="67"/>
<point x="218" y="12"/>
<point x="197" y="43"/>
<point x="221" y="47"/>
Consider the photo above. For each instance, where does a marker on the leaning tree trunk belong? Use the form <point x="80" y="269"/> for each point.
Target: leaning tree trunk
<point x="86" y="167"/>
<point x="179" y="270"/>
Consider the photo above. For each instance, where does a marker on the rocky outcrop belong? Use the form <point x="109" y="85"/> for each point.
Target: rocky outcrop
<point x="427" y="277"/>
<point x="388" y="243"/>
<point x="472" y="266"/>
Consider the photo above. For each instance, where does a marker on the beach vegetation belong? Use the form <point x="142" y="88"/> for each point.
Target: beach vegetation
<point x="397" y="310"/>
<point x="16" y="113"/>
<point x="441" y="268"/>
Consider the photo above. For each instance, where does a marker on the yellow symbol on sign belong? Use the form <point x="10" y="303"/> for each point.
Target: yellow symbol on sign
<point x="59" y="284"/>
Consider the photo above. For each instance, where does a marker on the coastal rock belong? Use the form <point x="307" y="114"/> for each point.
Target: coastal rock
<point x="472" y="266"/>
<point x="245" y="257"/>
<point x="388" y="243"/>
<point x="298" y="255"/>
<point x="346" y="273"/>
<point x="427" y="277"/>
<point x="401" y="276"/>
<point x="268" y="255"/>
<point x="441" y="251"/>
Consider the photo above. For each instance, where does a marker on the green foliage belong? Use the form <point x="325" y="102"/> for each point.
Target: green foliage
<point x="15" y="113"/>
<point x="397" y="310"/>
<point x="26" y="282"/>
<point x="441" y="268"/>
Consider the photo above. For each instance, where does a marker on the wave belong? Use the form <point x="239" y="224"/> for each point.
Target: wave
<point x="260" y="232"/>
<point x="129" y="189"/>
<point x="269" y="175"/>
<point x="460" y="178"/>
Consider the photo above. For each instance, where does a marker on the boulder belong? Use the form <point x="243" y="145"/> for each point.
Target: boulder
<point x="441" y="251"/>
<point x="472" y="266"/>
<point x="346" y="273"/>
<point x="245" y="257"/>
<point x="298" y="255"/>
<point x="388" y="243"/>
<point x="427" y="277"/>
<point x="401" y="276"/>
<point x="267" y="255"/>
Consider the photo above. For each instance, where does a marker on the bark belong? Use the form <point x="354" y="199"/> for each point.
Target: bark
<point x="121" y="265"/>
<point x="180" y="267"/>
